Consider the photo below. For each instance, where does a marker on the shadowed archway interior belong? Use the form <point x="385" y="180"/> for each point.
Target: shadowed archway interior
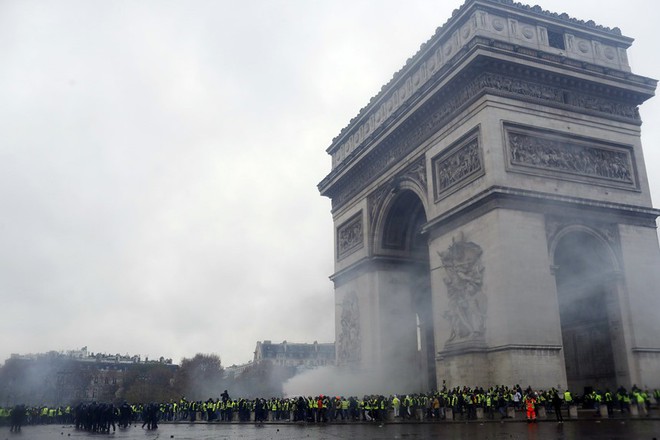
<point x="585" y="277"/>
<point x="406" y="307"/>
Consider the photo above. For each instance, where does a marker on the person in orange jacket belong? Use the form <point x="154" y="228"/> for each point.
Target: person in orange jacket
<point x="530" y="406"/>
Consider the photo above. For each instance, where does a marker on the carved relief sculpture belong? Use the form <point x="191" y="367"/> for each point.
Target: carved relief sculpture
<point x="467" y="303"/>
<point x="457" y="168"/>
<point x="349" y="236"/>
<point x="348" y="343"/>
<point x="567" y="156"/>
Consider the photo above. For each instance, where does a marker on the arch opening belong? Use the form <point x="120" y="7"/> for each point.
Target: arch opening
<point x="406" y="303"/>
<point x="586" y="285"/>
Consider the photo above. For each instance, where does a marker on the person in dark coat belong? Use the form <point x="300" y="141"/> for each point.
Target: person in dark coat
<point x="17" y="418"/>
<point x="556" y="404"/>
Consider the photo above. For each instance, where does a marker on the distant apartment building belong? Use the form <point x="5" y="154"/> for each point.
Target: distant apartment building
<point x="295" y="354"/>
<point x="67" y="376"/>
<point x="85" y="356"/>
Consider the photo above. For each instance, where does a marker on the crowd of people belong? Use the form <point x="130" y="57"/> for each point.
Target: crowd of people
<point x="459" y="403"/>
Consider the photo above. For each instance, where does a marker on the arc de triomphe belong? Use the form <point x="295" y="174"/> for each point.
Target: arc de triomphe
<point x="493" y="222"/>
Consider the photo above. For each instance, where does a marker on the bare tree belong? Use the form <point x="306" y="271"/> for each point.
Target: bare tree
<point x="201" y="377"/>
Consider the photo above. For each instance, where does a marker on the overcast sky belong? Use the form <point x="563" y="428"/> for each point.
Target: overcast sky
<point x="159" y="162"/>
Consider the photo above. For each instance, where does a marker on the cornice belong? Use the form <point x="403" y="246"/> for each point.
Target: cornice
<point x="486" y="69"/>
<point x="646" y="350"/>
<point x="539" y="12"/>
<point x="481" y="347"/>
<point x="455" y="16"/>
<point x="441" y="52"/>
<point x="370" y="264"/>
<point x="499" y="197"/>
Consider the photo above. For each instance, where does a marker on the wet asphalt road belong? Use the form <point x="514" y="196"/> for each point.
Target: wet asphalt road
<point x="586" y="429"/>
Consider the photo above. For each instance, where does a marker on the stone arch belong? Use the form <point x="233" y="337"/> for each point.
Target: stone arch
<point x="405" y="296"/>
<point x="586" y="271"/>
<point x="597" y="235"/>
<point x="401" y="197"/>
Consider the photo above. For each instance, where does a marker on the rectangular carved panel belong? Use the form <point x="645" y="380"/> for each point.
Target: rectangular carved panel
<point x="457" y="166"/>
<point x="350" y="236"/>
<point x="568" y="157"/>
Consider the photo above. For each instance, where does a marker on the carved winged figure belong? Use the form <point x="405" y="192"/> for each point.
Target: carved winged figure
<point x="467" y="303"/>
<point x="348" y="349"/>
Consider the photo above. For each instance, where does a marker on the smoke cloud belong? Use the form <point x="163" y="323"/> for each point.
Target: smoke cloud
<point x="340" y="381"/>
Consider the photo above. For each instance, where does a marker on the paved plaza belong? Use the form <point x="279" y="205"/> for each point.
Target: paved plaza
<point x="545" y="430"/>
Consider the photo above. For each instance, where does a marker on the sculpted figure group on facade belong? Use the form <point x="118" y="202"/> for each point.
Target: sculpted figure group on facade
<point x="569" y="158"/>
<point x="348" y="344"/>
<point x="467" y="303"/>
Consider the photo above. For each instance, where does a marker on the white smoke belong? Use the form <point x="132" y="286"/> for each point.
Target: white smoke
<point x="337" y="381"/>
